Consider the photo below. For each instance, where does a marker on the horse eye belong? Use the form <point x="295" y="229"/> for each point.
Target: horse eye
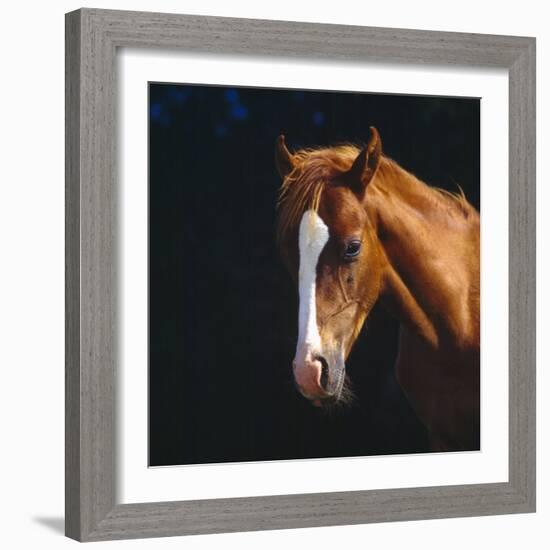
<point x="352" y="249"/>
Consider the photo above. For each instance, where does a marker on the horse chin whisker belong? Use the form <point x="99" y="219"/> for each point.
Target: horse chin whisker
<point x="346" y="400"/>
<point x="347" y="395"/>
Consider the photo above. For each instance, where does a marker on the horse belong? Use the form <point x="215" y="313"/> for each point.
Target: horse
<point x="355" y="228"/>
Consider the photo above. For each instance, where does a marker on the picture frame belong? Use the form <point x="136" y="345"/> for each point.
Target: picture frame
<point x="92" y="39"/>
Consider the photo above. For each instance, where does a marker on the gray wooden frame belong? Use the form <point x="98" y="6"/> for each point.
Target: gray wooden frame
<point x="92" y="39"/>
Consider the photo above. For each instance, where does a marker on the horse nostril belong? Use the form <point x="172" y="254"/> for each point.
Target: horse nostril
<point x="324" y="371"/>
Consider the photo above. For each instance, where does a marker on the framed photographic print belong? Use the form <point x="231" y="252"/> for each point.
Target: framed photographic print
<point x="300" y="275"/>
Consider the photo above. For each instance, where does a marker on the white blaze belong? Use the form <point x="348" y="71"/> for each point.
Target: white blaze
<point x="313" y="237"/>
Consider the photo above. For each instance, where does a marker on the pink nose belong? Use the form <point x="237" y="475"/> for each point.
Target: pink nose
<point x="308" y="378"/>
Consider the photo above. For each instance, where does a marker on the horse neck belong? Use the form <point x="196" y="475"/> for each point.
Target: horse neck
<point x="427" y="248"/>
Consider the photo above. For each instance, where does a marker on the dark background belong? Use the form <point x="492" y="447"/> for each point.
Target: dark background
<point x="223" y="311"/>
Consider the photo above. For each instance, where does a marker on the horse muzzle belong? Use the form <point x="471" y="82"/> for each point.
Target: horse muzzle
<point x="320" y="377"/>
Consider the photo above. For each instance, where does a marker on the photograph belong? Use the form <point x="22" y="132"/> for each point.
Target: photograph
<point x="313" y="274"/>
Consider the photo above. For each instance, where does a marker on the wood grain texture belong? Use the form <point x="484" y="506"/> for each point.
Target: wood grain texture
<point x="72" y="277"/>
<point x="522" y="274"/>
<point x="92" y="37"/>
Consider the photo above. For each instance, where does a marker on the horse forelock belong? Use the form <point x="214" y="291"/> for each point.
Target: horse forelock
<point x="302" y="188"/>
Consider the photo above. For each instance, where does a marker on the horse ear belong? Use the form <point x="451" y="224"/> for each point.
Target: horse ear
<point x="365" y="165"/>
<point x="283" y="158"/>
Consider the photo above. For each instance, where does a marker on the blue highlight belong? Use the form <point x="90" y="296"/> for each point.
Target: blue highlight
<point x="155" y="111"/>
<point x="239" y="112"/>
<point x="231" y="95"/>
<point x="318" y="118"/>
<point x="178" y="94"/>
<point x="159" y="115"/>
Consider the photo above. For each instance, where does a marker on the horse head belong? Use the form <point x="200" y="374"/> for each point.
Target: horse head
<point x="328" y="242"/>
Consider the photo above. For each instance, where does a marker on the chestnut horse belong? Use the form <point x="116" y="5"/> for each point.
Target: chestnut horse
<point x="354" y="228"/>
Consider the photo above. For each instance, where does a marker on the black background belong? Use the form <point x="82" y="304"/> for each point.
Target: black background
<point x="222" y="309"/>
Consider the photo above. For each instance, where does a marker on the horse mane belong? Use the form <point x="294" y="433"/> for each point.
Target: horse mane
<point x="447" y="203"/>
<point x="302" y="188"/>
